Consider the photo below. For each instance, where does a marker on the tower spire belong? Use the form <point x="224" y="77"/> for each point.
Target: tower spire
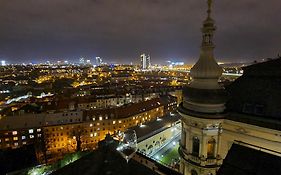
<point x="209" y="11"/>
<point x="206" y="71"/>
<point x="205" y="74"/>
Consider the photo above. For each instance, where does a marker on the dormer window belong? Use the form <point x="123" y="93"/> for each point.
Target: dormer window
<point x="248" y="108"/>
<point x="259" y="109"/>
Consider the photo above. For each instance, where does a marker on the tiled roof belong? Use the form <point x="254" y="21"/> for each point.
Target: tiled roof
<point x="127" y="110"/>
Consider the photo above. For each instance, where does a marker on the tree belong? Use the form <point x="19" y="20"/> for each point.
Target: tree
<point x="41" y="145"/>
<point x="59" y="84"/>
<point x="77" y="133"/>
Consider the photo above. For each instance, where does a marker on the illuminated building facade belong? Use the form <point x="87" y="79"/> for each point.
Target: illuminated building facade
<point x="19" y="137"/>
<point x="145" y="61"/>
<point x="56" y="128"/>
<point x="98" y="123"/>
<point x="98" y="61"/>
<point x="25" y="129"/>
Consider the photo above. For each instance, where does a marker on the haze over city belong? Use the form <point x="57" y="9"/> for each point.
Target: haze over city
<point x="119" y="31"/>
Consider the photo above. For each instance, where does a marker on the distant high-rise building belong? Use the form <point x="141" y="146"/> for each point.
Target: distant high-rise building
<point x="81" y="60"/>
<point x="88" y="61"/>
<point x="3" y="63"/>
<point x="98" y="61"/>
<point x="145" y="61"/>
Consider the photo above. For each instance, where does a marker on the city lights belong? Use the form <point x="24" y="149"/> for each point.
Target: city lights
<point x="115" y="87"/>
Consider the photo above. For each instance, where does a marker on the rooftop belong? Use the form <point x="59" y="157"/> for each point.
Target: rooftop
<point x="243" y="160"/>
<point x="260" y="95"/>
<point x="127" y="110"/>
<point x="107" y="161"/>
<point x="156" y="126"/>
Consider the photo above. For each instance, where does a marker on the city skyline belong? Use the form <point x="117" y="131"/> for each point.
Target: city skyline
<point x="156" y="113"/>
<point x="119" y="32"/>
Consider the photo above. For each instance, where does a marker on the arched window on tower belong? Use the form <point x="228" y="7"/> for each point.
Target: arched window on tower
<point x="207" y="39"/>
<point x="211" y="148"/>
<point x="195" y="146"/>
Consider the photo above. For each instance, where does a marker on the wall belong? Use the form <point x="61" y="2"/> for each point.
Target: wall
<point x="154" y="142"/>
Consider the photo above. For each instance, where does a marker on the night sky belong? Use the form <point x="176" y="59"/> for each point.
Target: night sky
<point x="119" y="30"/>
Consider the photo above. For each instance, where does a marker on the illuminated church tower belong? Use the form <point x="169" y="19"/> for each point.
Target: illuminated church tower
<point x="202" y="110"/>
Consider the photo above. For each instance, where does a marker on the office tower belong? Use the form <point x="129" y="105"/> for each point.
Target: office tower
<point x="98" y="61"/>
<point x="145" y="61"/>
<point x="3" y="63"/>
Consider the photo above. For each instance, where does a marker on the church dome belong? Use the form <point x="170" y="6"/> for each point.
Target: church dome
<point x="206" y="68"/>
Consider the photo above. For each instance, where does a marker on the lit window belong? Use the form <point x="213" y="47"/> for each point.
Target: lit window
<point x="91" y="125"/>
<point x="98" y="129"/>
<point x="23" y="137"/>
<point x="114" y="122"/>
<point x="211" y="148"/>
<point x="6" y="139"/>
<point x="98" y="124"/>
<point x="16" y="144"/>
<point x="100" y="118"/>
<point x="38" y="130"/>
<point x="15" y="132"/>
<point x="15" y="138"/>
<point x="39" y="135"/>
<point x="119" y="121"/>
<point x="31" y="136"/>
<point x="91" y="135"/>
<point x="24" y="143"/>
<point x="30" y="131"/>
<point x="95" y="134"/>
